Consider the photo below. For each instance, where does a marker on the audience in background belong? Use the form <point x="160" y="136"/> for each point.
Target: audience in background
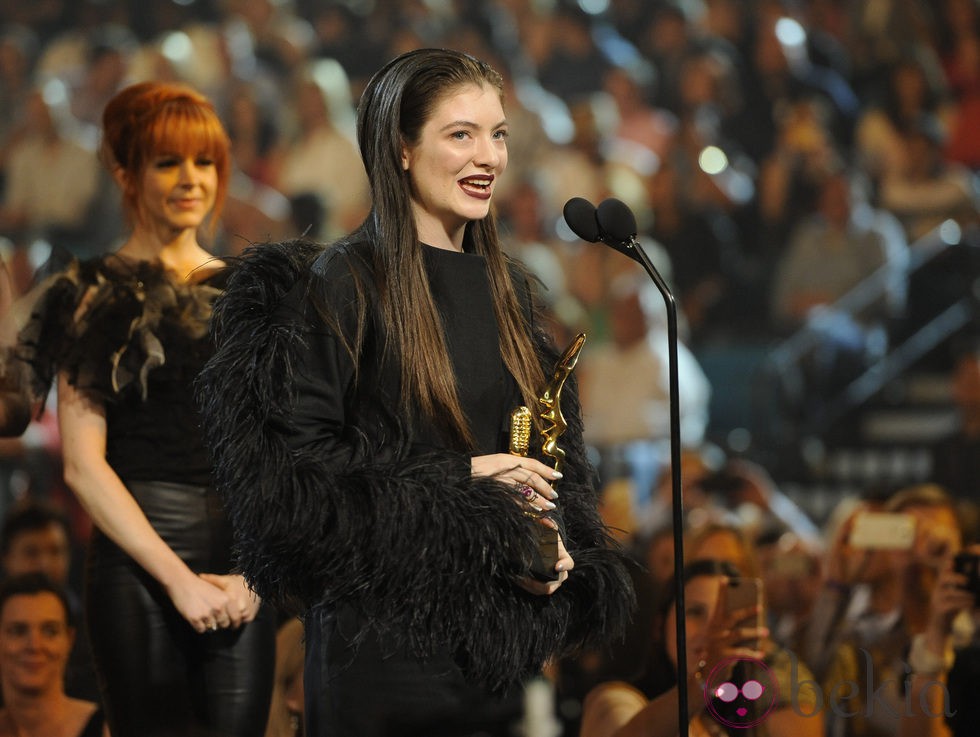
<point x="727" y="127"/>
<point x="36" y="537"/>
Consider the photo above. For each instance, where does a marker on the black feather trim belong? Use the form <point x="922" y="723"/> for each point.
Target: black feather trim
<point x="424" y="551"/>
<point x="104" y="322"/>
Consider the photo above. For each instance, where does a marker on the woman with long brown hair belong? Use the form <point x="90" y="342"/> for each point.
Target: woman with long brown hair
<point x="358" y="405"/>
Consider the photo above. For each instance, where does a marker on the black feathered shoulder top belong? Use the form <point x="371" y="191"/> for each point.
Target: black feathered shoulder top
<point x="132" y="336"/>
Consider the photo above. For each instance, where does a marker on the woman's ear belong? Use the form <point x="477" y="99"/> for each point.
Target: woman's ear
<point x="120" y="177"/>
<point x="405" y="157"/>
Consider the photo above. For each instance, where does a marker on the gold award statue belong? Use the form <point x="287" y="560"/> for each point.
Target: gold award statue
<point x="552" y="426"/>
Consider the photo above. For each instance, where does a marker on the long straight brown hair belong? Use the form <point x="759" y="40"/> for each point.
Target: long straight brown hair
<point x="394" y="107"/>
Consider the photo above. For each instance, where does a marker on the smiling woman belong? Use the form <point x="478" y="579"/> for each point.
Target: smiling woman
<point x="180" y="643"/>
<point x="36" y="635"/>
<point x="357" y="405"/>
<point x="461" y="149"/>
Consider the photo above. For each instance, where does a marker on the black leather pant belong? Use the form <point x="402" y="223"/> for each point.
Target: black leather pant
<point x="158" y="677"/>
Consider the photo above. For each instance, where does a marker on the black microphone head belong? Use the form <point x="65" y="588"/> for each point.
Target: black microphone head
<point x="580" y="214"/>
<point x="616" y="220"/>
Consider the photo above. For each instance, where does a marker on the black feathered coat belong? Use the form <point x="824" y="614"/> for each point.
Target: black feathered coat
<point x="364" y="512"/>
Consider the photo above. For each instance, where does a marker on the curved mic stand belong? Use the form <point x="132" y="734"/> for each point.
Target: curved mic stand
<point x="633" y="249"/>
<point x="613" y="223"/>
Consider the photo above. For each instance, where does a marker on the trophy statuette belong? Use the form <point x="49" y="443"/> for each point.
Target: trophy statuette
<point x="552" y="426"/>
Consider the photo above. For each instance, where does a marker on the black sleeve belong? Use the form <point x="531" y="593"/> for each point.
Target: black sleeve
<point x="326" y="514"/>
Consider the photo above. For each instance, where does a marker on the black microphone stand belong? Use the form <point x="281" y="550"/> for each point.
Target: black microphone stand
<point x="633" y="249"/>
<point x="614" y="224"/>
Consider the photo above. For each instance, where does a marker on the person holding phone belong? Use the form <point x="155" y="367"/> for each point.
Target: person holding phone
<point x="728" y="671"/>
<point x="945" y="658"/>
<point x="357" y="406"/>
<point x="902" y="552"/>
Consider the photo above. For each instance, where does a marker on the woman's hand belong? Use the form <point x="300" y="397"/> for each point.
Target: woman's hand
<point x="949" y="597"/>
<point x="243" y="603"/>
<point x="529" y="477"/>
<point x="730" y="635"/>
<point x="203" y="604"/>
<point x="563" y="565"/>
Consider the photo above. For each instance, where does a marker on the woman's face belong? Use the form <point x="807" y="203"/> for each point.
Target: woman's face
<point x="35" y="641"/>
<point x="700" y="599"/>
<point x="453" y="167"/>
<point x="178" y="191"/>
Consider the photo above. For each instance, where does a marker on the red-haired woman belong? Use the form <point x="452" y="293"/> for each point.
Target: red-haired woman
<point x="181" y="645"/>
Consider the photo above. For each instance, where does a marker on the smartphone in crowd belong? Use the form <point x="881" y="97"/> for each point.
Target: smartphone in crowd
<point x="883" y="531"/>
<point x="968" y="565"/>
<point x="742" y="594"/>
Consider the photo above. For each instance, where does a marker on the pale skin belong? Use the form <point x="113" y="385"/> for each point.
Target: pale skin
<point x="176" y="194"/>
<point x="928" y="695"/>
<point x="35" y="641"/>
<point x="714" y="634"/>
<point x="461" y="151"/>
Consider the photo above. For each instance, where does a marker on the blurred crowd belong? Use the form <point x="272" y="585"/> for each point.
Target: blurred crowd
<point x="776" y="153"/>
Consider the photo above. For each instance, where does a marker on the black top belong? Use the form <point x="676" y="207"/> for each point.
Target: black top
<point x="328" y="402"/>
<point x="133" y="336"/>
<point x="487" y="392"/>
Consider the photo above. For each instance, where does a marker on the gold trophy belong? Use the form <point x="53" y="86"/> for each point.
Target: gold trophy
<point x="552" y="426"/>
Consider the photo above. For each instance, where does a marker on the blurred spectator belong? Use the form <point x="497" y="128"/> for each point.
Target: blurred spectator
<point x="253" y="133"/>
<point x="574" y="66"/>
<point x="625" y="391"/>
<point x="321" y="157"/>
<point x="52" y="179"/>
<point x="641" y="131"/>
<point x="944" y="663"/>
<point x="872" y="652"/>
<point x="341" y="35"/>
<point x="583" y="168"/>
<point x="36" y="634"/>
<point x="703" y="244"/>
<point x="791" y="576"/>
<point x="107" y="64"/>
<point x="531" y="239"/>
<point x="666" y="43"/>
<point x="914" y="88"/>
<point x="845" y="245"/>
<point x="881" y="33"/>
<point x="958" y="42"/>
<point x="956" y="458"/>
<point x="781" y="74"/>
<point x="36" y="538"/>
<point x="791" y="174"/>
<point x="928" y="190"/>
<point x="18" y="51"/>
<point x="718" y="643"/>
<point x="286" y="709"/>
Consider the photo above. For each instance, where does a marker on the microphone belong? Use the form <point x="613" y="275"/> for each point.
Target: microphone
<point x="581" y="216"/>
<point x="616" y="219"/>
<point x="614" y="224"/>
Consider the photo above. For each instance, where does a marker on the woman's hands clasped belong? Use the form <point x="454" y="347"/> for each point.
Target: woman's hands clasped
<point x="210" y="602"/>
<point x="531" y="480"/>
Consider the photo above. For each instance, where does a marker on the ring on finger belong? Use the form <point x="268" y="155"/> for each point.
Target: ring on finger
<point x="527" y="492"/>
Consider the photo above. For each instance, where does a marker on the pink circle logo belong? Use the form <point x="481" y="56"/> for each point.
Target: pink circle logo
<point x="740" y="692"/>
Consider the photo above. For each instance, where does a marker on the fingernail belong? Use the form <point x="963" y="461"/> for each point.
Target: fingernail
<point x="553" y="494"/>
<point x="557" y="475"/>
<point x="550" y="505"/>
